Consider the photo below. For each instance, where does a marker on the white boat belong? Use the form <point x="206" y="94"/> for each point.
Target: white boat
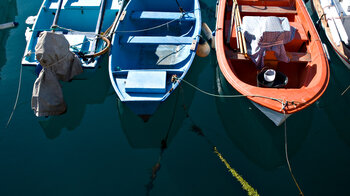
<point x="334" y="17"/>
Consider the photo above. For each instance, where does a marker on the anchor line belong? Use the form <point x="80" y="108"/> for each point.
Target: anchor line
<point x="245" y="185"/>
<point x="17" y="96"/>
<point x="286" y="153"/>
<point x="164" y="145"/>
<point x="343" y="93"/>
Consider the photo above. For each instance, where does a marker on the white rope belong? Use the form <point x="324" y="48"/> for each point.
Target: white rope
<point x="346" y="90"/>
<point x="284" y="103"/>
<point x="17" y="96"/>
<point x="155" y="27"/>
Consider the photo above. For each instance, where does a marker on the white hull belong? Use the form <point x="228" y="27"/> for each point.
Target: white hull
<point x="275" y="117"/>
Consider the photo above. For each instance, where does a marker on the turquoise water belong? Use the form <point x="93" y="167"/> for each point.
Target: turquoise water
<point x="99" y="147"/>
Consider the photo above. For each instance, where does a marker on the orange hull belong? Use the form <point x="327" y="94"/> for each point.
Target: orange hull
<point x="307" y="72"/>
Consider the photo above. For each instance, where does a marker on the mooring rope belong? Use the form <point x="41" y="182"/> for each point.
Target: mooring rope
<point x="345" y="90"/>
<point x="164" y="145"/>
<point x="284" y="104"/>
<point x="245" y="185"/>
<point x="287" y="159"/>
<point x="17" y="96"/>
<point x="180" y="8"/>
<point x="282" y="101"/>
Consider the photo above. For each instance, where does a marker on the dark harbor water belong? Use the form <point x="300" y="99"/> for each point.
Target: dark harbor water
<point x="99" y="147"/>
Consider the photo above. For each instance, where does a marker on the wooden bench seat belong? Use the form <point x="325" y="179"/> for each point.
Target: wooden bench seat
<point x="294" y="56"/>
<point x="248" y="10"/>
<point x="266" y="10"/>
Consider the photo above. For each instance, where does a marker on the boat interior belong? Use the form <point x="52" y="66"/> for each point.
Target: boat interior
<point x="73" y="14"/>
<point x="299" y="70"/>
<point x="154" y="36"/>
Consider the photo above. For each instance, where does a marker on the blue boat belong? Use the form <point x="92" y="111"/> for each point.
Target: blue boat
<point x="152" y="49"/>
<point x="79" y="20"/>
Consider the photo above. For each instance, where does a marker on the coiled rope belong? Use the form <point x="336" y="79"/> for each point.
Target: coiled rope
<point x="101" y="36"/>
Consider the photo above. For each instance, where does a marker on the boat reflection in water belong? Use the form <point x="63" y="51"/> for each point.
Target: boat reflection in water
<point x="78" y="94"/>
<point x="336" y="99"/>
<point x="258" y="138"/>
<point x="167" y="120"/>
<point x="8" y="11"/>
<point x="161" y="128"/>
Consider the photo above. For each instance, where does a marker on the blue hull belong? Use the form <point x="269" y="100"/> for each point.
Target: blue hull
<point x="81" y="17"/>
<point x="153" y="43"/>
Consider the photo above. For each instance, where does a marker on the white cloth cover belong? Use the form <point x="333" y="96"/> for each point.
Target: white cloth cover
<point x="59" y="63"/>
<point x="266" y="33"/>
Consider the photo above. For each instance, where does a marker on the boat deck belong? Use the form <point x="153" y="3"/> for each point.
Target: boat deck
<point x="296" y="49"/>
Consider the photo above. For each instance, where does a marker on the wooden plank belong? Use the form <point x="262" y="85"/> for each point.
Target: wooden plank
<point x="294" y="56"/>
<point x="247" y="9"/>
<point x="300" y="33"/>
<point x="150" y="15"/>
<point x="156" y="40"/>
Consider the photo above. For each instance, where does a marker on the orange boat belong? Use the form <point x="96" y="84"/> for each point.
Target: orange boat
<point x="305" y="73"/>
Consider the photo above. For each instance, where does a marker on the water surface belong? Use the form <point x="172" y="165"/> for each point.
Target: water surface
<point x="99" y="147"/>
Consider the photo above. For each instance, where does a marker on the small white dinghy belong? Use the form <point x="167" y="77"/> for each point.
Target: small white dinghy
<point x="334" y="17"/>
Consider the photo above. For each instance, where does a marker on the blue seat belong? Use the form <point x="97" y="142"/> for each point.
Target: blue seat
<point x="156" y="40"/>
<point x="151" y="81"/>
<point x="150" y="15"/>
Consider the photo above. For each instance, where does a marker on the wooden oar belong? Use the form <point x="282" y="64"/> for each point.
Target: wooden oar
<point x="238" y="26"/>
<point x="242" y="35"/>
<point x="54" y="23"/>
<point x="231" y="23"/>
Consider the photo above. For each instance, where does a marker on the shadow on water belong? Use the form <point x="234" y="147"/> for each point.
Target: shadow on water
<point x="170" y="113"/>
<point x="333" y="102"/>
<point x="208" y="13"/>
<point x="254" y="134"/>
<point x="8" y="11"/>
<point x="78" y="94"/>
<point x="163" y="125"/>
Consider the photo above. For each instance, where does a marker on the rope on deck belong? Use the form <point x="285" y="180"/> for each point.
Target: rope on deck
<point x="155" y="27"/>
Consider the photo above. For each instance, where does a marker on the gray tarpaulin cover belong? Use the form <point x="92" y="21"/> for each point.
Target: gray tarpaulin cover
<point x="266" y="33"/>
<point x="59" y="63"/>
